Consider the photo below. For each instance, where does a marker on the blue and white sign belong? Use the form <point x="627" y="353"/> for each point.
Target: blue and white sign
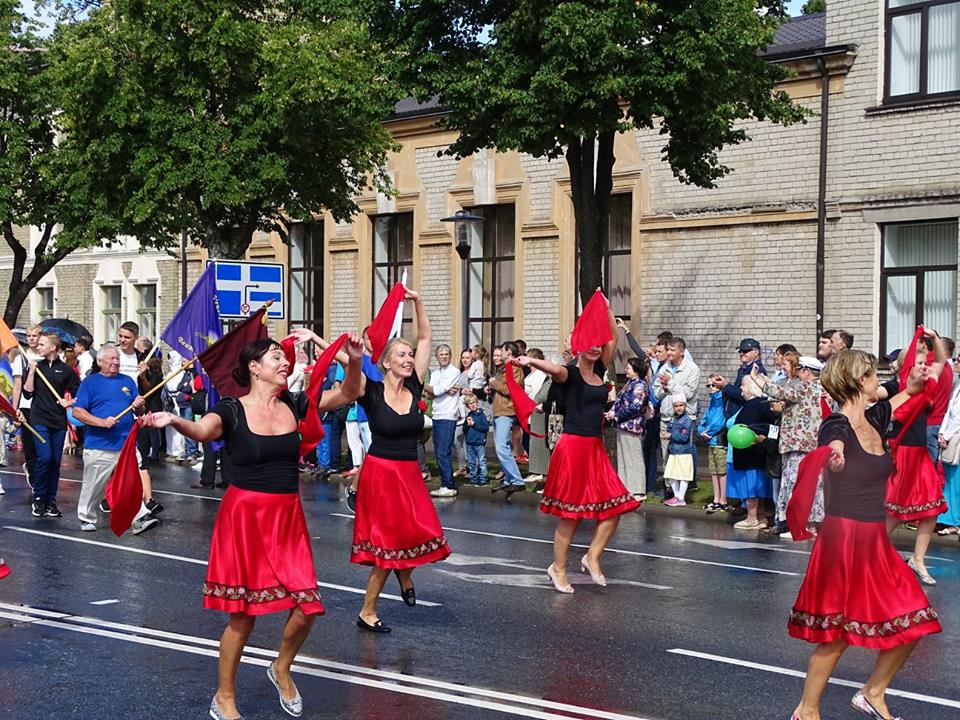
<point x="243" y="287"/>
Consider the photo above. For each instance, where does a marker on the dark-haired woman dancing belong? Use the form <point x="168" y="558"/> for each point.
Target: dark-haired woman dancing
<point x="260" y="556"/>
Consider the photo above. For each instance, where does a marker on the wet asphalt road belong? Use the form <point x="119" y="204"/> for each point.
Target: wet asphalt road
<point x="692" y="626"/>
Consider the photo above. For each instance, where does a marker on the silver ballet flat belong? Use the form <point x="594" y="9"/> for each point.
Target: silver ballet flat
<point x="861" y="704"/>
<point x="292" y="707"/>
<point x="217" y="714"/>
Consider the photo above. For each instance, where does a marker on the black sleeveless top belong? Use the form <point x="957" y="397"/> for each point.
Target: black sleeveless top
<point x="583" y="403"/>
<point x="394" y="436"/>
<point x="859" y="491"/>
<point x="262" y="463"/>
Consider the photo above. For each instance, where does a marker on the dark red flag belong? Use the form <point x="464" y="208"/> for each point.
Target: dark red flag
<point x="523" y="404"/>
<point x="220" y="359"/>
<point x="310" y="427"/>
<point x="593" y="326"/>
<point x="910" y="358"/>
<point x="384" y="325"/>
<point x="125" y="489"/>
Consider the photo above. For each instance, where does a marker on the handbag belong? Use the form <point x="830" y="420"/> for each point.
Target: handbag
<point x="554" y="426"/>
<point x="950" y="455"/>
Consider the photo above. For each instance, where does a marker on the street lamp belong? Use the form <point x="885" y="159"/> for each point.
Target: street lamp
<point x="462" y="219"/>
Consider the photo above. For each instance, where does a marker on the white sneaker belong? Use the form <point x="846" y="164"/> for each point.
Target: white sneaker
<point x="197" y="466"/>
<point x="786" y="535"/>
<point x="443" y="492"/>
<point x="88" y="527"/>
<point x="533" y="478"/>
<point x="143" y="524"/>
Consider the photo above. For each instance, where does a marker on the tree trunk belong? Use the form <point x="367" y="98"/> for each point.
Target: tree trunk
<point x="43" y="262"/>
<point x="591" y="205"/>
<point x="229" y="243"/>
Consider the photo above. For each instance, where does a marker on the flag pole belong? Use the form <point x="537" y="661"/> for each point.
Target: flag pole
<point x="172" y="374"/>
<point x="29" y="427"/>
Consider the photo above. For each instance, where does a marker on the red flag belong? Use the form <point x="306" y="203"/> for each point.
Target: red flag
<point x="4" y="570"/>
<point x="910" y="358"/>
<point x="384" y="324"/>
<point x="310" y="427"/>
<point x="289" y="350"/>
<point x="523" y="404"/>
<point x="220" y="358"/>
<point x="6" y="408"/>
<point x="593" y="326"/>
<point x="125" y="489"/>
<point x="805" y="490"/>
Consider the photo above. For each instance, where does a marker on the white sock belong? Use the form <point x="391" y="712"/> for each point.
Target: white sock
<point x="681" y="490"/>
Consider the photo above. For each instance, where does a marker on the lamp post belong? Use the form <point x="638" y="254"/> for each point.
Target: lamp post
<point x="462" y="219"/>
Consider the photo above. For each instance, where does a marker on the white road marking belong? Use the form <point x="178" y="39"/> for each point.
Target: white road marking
<point x="384" y="680"/>
<point x="540" y="579"/>
<point x="743" y="545"/>
<point x="111" y="601"/>
<point x="195" y="561"/>
<point x="612" y="550"/>
<point x="800" y="674"/>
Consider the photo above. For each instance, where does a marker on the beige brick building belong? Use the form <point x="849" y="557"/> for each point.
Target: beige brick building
<point x="874" y="196"/>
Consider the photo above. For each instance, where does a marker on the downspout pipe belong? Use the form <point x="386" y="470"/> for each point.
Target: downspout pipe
<point x="822" y="191"/>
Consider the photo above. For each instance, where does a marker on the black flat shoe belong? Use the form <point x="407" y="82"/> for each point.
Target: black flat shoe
<point x="409" y="596"/>
<point x="511" y="489"/>
<point x="377" y="627"/>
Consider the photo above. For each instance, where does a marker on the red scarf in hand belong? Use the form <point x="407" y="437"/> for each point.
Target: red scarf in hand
<point x="125" y="489"/>
<point x="523" y="404"/>
<point x="593" y="325"/>
<point x="310" y="427"/>
<point x="382" y="328"/>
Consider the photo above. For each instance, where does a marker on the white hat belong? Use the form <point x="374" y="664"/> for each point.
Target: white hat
<point x="810" y="363"/>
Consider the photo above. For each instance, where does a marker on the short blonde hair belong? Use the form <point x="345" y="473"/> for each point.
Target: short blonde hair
<point x="843" y="372"/>
<point x="388" y="350"/>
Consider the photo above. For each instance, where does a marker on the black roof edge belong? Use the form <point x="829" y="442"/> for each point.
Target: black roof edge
<point x="810" y="54"/>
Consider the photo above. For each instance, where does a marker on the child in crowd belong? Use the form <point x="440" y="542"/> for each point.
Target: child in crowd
<point x="679" y="469"/>
<point x="710" y="428"/>
<point x="475" y="436"/>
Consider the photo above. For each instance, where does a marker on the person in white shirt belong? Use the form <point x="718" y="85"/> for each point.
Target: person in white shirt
<point x="676" y="376"/>
<point x="85" y="356"/>
<point x="20" y="366"/>
<point x="130" y="359"/>
<point x="445" y="388"/>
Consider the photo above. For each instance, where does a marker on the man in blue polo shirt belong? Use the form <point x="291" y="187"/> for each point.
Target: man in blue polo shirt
<point x="101" y="397"/>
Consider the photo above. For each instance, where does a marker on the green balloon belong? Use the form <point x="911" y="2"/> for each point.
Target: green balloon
<point x="741" y="437"/>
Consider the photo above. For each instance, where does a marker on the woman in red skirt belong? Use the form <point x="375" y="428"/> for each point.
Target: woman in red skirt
<point x="396" y="527"/>
<point x="581" y="483"/>
<point x="260" y="557"/>
<point x="857" y="589"/>
<point x="915" y="488"/>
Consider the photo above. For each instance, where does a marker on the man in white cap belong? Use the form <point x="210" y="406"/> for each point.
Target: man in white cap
<point x="799" y="426"/>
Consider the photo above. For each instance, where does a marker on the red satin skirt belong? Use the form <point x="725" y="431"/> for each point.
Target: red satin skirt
<point x="4" y="570"/>
<point x="858" y="589"/>
<point x="396" y="525"/>
<point x="581" y="482"/>
<point x="915" y="490"/>
<point x="260" y="557"/>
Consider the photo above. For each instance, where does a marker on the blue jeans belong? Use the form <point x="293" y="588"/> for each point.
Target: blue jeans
<point x="651" y="450"/>
<point x="477" y="462"/>
<point x="47" y="477"/>
<point x="502" y="427"/>
<point x="189" y="444"/>
<point x="933" y="446"/>
<point x="323" y="449"/>
<point x="443" y="432"/>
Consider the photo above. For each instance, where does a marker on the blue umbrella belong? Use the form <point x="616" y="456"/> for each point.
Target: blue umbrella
<point x="68" y="330"/>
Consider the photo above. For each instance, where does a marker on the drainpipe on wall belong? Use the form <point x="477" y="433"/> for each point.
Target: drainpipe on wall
<point x="822" y="191"/>
<point x="183" y="266"/>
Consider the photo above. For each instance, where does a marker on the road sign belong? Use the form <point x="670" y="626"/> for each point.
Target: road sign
<point x="243" y="287"/>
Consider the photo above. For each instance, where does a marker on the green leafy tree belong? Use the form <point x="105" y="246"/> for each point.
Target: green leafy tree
<point x="562" y="79"/>
<point x="31" y="188"/>
<point x="218" y="117"/>
<point x="814" y="6"/>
